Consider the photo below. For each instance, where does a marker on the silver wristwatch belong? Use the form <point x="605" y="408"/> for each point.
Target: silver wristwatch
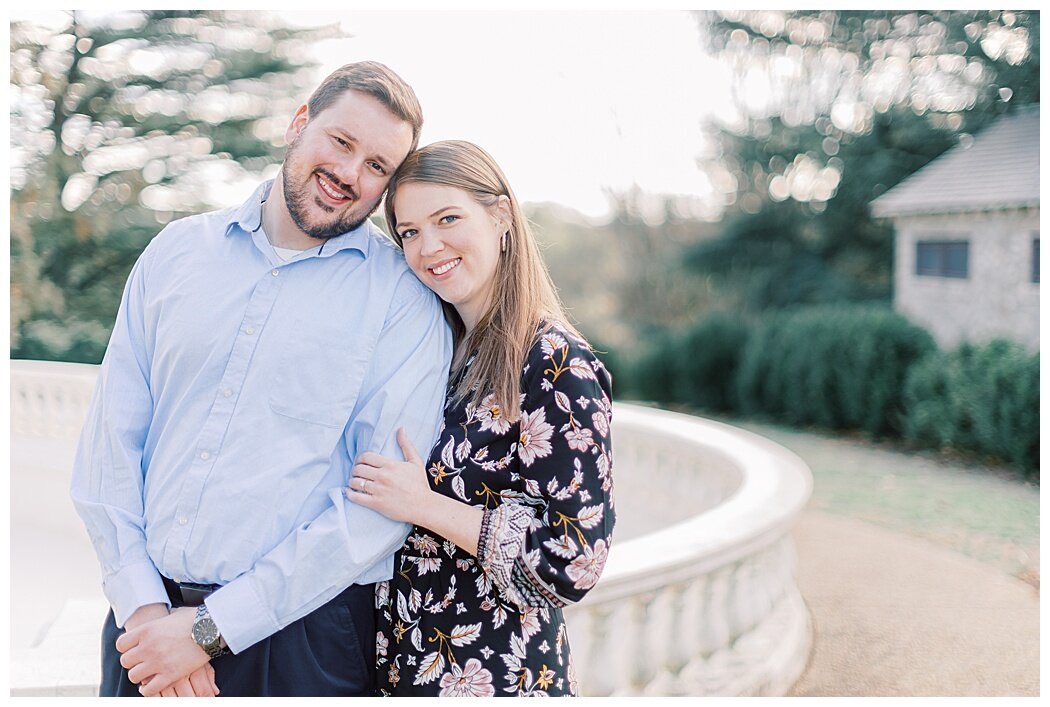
<point x="206" y="634"/>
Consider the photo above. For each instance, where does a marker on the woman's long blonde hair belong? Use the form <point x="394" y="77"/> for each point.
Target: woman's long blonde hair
<point x="524" y="297"/>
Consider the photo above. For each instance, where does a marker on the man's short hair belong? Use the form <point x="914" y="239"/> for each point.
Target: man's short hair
<point x="376" y="80"/>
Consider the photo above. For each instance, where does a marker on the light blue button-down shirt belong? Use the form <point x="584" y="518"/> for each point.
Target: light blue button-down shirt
<point x="233" y="398"/>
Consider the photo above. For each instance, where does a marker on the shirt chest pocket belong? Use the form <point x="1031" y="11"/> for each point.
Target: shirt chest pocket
<point x="318" y="377"/>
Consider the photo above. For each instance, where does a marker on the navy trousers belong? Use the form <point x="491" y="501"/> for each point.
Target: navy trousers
<point x="327" y="653"/>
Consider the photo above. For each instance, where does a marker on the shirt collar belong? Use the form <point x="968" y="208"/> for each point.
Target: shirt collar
<point x="248" y="217"/>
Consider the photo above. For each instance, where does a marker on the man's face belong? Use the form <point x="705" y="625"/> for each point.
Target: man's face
<point x="339" y="162"/>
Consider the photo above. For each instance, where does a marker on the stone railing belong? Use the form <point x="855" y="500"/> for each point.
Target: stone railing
<point x="698" y="596"/>
<point x="49" y="400"/>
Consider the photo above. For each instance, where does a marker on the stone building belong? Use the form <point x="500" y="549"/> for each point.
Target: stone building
<point x="967" y="237"/>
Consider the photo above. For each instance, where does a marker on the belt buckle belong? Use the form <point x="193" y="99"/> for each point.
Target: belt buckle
<point x="195" y="594"/>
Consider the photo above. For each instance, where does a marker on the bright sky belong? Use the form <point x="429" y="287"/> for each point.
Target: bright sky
<point x="569" y="103"/>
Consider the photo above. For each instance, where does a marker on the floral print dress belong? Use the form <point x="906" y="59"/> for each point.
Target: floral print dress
<point x="450" y="624"/>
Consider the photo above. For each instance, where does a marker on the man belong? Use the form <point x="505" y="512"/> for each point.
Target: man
<point x="256" y="353"/>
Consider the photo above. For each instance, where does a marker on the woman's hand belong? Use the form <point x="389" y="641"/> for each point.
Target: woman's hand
<point x="401" y="491"/>
<point x="398" y="490"/>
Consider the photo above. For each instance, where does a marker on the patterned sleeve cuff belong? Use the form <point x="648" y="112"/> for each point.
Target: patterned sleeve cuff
<point x="500" y="544"/>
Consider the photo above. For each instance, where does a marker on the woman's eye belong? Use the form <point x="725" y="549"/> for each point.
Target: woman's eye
<point x="448" y="218"/>
<point x="341" y="141"/>
<point x="408" y="233"/>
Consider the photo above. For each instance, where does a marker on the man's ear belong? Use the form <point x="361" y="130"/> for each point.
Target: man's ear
<point x="302" y="117"/>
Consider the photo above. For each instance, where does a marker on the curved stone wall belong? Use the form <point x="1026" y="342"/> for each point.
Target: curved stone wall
<point x="698" y="596"/>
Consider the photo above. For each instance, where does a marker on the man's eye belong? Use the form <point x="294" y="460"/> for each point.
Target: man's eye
<point x="378" y="168"/>
<point x="408" y="233"/>
<point x="341" y="141"/>
<point x="448" y="218"/>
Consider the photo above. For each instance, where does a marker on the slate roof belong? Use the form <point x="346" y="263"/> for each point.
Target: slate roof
<point x="999" y="170"/>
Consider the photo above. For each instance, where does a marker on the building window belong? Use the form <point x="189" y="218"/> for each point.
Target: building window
<point x="1035" y="259"/>
<point x="943" y="258"/>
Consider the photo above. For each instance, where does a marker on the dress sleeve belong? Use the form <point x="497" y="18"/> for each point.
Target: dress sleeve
<point x="550" y="549"/>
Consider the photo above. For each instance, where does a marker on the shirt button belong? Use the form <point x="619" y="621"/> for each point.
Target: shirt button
<point x="227" y="393"/>
<point x="274" y="272"/>
<point x="249" y="331"/>
<point x="205" y="456"/>
<point x="183" y="521"/>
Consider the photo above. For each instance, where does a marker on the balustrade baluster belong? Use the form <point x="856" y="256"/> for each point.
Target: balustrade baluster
<point x="663" y="632"/>
<point x="594" y="673"/>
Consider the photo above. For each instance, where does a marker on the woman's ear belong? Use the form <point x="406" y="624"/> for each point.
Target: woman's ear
<point x="503" y="212"/>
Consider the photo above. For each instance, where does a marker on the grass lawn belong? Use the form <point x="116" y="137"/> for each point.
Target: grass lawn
<point x="988" y="513"/>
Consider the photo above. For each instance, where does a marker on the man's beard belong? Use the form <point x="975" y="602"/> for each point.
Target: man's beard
<point x="297" y="197"/>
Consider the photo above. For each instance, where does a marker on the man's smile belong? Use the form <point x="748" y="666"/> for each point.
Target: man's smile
<point x="334" y="193"/>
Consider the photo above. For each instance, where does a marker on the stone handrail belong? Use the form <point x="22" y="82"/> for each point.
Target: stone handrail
<point x="698" y="596"/>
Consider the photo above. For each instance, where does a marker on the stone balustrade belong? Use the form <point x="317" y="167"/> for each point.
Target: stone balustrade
<point x="698" y="596"/>
<point x="49" y="400"/>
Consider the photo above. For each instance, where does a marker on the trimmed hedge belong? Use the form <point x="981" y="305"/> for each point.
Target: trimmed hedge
<point x="708" y="357"/>
<point x="859" y="367"/>
<point x="695" y="367"/>
<point x="839" y="367"/>
<point x="981" y="398"/>
<point x="653" y="375"/>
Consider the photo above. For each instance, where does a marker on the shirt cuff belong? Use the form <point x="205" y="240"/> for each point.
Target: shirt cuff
<point x="132" y="587"/>
<point x="242" y="618"/>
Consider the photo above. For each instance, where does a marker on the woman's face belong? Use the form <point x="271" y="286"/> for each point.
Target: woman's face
<point x="452" y="243"/>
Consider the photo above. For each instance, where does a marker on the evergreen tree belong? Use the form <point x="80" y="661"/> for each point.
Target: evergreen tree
<point x="832" y="108"/>
<point x="121" y="122"/>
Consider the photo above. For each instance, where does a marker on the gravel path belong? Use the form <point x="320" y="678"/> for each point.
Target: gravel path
<point x="899" y="615"/>
<point x="921" y="574"/>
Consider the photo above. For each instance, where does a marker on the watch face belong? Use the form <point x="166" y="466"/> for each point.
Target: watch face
<point x="205" y="632"/>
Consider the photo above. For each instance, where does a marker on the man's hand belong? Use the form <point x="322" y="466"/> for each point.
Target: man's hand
<point x="149" y="612"/>
<point x="160" y="653"/>
<point x="200" y="683"/>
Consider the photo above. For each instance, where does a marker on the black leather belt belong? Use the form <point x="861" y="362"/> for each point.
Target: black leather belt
<point x="187" y="593"/>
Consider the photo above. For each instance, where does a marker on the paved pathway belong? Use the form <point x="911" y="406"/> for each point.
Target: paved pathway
<point x="900" y="615"/>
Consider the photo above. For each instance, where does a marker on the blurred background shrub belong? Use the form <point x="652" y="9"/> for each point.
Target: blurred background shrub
<point x="984" y="399"/>
<point x="709" y="354"/>
<point x="839" y="367"/>
<point x="847" y="367"/>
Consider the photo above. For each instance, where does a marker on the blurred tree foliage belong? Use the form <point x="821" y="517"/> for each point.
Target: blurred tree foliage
<point x="121" y="121"/>
<point x="622" y="278"/>
<point x="832" y="108"/>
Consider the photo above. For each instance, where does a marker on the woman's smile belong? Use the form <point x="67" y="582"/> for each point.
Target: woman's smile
<point x="444" y="267"/>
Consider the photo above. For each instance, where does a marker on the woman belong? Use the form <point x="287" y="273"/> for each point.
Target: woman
<point x="512" y="513"/>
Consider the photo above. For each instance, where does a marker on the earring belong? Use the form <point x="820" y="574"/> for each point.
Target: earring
<point x="503" y="241"/>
